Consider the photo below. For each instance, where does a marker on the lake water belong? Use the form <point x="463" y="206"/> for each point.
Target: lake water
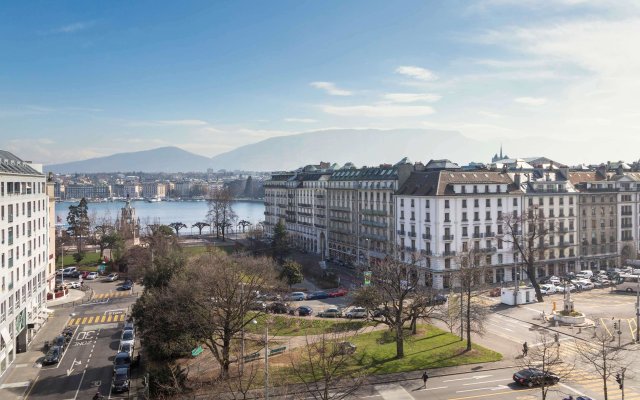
<point x="166" y="212"/>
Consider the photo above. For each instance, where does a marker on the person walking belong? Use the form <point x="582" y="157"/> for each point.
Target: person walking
<point x="425" y="377"/>
<point x="525" y="349"/>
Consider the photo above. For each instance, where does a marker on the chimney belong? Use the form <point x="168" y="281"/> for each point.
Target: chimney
<point x="516" y="179"/>
<point x="564" y="171"/>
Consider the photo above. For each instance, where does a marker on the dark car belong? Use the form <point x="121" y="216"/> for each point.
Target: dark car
<point x="258" y="305"/>
<point x="120" y="381"/>
<point x="278" y="308"/>
<point x="121" y="360"/>
<point x="534" y="377"/>
<point x="60" y="341"/>
<point x="303" y="311"/>
<point x="439" y="299"/>
<point x="318" y="295"/>
<point x="125" y="286"/>
<point x="53" y="356"/>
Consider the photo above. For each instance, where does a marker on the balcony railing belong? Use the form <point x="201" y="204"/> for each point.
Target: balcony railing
<point x="412" y="234"/>
<point x="478" y="235"/>
<point x="489" y="234"/>
<point x="426" y="252"/>
<point x="401" y="233"/>
<point x="448" y="253"/>
<point x="426" y="236"/>
<point x="626" y="213"/>
<point x="487" y="250"/>
<point x="447" y="237"/>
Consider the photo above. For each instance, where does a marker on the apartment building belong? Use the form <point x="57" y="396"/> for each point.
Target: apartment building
<point x="275" y="200"/>
<point x="25" y="224"/>
<point x="154" y="190"/>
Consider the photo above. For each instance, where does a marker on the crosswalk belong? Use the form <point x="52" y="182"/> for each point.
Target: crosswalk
<point x="96" y="319"/>
<point x="574" y="370"/>
<point x="111" y="295"/>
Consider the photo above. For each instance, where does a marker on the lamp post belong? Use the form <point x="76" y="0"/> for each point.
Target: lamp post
<point x="266" y="358"/>
<point x="638" y="311"/>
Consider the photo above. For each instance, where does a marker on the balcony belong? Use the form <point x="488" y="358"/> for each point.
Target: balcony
<point x="380" y="213"/>
<point x="448" y="253"/>
<point x="487" y="250"/>
<point x="621" y="225"/>
<point x="282" y="205"/>
<point x="267" y="213"/>
<point x="375" y="224"/>
<point x="320" y="216"/>
<point x="447" y="237"/>
<point x="372" y="236"/>
<point x="304" y="204"/>
<point x="340" y="219"/>
<point x="478" y="235"/>
<point x="626" y="213"/>
<point x="321" y="206"/>
<point x="412" y="233"/>
<point x="338" y="208"/>
<point x="289" y="212"/>
<point x="426" y="252"/>
<point x="319" y="196"/>
<point x="291" y="196"/>
<point x="409" y="248"/>
<point x="319" y="226"/>
<point x="401" y="233"/>
<point x="489" y="234"/>
<point x="426" y="236"/>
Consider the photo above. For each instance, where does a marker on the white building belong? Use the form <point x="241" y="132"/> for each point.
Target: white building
<point x="24" y="254"/>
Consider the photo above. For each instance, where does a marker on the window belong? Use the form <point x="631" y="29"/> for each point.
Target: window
<point x="488" y="215"/>
<point x="412" y="203"/>
<point x="464" y="217"/>
<point x="515" y="201"/>
<point x="465" y="231"/>
<point x="488" y="203"/>
<point x="476" y="203"/>
<point x="499" y="202"/>
<point x="476" y="216"/>
<point x="427" y="204"/>
<point x="401" y="202"/>
<point x="446" y="217"/>
<point x="464" y="203"/>
<point x="446" y="204"/>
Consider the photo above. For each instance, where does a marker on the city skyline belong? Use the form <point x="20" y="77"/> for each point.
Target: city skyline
<point x="93" y="80"/>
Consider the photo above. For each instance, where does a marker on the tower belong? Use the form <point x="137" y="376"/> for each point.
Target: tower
<point x="128" y="225"/>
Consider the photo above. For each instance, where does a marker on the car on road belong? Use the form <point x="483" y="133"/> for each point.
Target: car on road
<point x="338" y="292"/>
<point x="126" y="348"/>
<point x="304" y="311"/>
<point x="60" y="341"/>
<point x="125" y="286"/>
<point x="127" y="337"/>
<point x="296" y="296"/>
<point x="129" y="326"/>
<point x="52" y="356"/>
<point x="74" y="284"/>
<point x="112" y="277"/>
<point x="438" y="299"/>
<point x="121" y="360"/>
<point x="278" y="308"/>
<point x="357" y="312"/>
<point x="92" y="275"/>
<point x="565" y="288"/>
<point x="319" y="295"/>
<point x="84" y="274"/>
<point x="547" y="289"/>
<point x="258" y="305"/>
<point x="586" y="284"/>
<point x="534" y="377"/>
<point x="120" y="381"/>
<point x="332" y="312"/>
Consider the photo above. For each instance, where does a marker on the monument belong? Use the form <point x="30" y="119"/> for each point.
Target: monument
<point x="128" y="225"/>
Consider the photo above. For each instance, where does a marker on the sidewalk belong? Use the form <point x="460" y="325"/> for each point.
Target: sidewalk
<point x="73" y="296"/>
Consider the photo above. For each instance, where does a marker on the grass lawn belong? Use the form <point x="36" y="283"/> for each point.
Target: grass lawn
<point x="297" y="326"/>
<point x="199" y="250"/>
<point x="430" y="348"/>
<point x="89" y="259"/>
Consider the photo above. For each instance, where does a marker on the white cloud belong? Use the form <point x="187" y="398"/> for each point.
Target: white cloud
<point x="302" y="120"/>
<point x="378" y="110"/>
<point x="531" y="101"/>
<point x="183" y="122"/>
<point x="418" y="73"/>
<point x="411" y="97"/>
<point x="331" y="88"/>
<point x="72" y="28"/>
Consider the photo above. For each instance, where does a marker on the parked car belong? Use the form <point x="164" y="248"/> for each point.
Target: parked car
<point x="60" y="341"/>
<point x="92" y="275"/>
<point x="438" y="299"/>
<point x="319" y="295"/>
<point x="129" y="326"/>
<point x="120" y="381"/>
<point x="586" y="284"/>
<point x="52" y="356"/>
<point x="112" y="277"/>
<point x="338" y="292"/>
<point x="303" y="311"/>
<point x="126" y="348"/>
<point x="332" y="312"/>
<point x="357" y="312"/>
<point x="84" y="274"/>
<point x="534" y="377"/>
<point x="258" y="306"/>
<point x="548" y="289"/>
<point x="125" y="286"/>
<point x="127" y="337"/>
<point x="121" y="360"/>
<point x="296" y="296"/>
<point x="554" y="280"/>
<point x="66" y="271"/>
<point x="278" y="308"/>
<point x="565" y="287"/>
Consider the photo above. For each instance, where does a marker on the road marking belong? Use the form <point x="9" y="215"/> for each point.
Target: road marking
<point x="483" y="382"/>
<point x="84" y="320"/>
<point x="466" y="379"/>
<point x="90" y="321"/>
<point x="81" y="379"/>
<point x="26" y="396"/>
<point x="484" y="388"/>
<point x="492" y="394"/>
<point x="65" y="349"/>
<point x="14" y="385"/>
<point x="393" y="392"/>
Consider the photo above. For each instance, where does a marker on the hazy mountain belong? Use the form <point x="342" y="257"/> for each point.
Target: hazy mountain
<point x="362" y="147"/>
<point x="163" y="159"/>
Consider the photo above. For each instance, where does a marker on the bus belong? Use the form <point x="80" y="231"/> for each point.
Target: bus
<point x="627" y="283"/>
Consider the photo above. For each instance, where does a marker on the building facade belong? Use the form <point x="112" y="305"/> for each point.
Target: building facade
<point x="25" y="224"/>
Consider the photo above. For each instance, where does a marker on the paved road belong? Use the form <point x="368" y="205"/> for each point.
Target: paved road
<point x="87" y="363"/>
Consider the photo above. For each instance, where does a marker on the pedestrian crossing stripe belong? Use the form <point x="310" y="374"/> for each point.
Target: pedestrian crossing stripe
<point x="96" y="319"/>
<point x="110" y="295"/>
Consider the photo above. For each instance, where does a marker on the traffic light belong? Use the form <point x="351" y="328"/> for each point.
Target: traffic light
<point x="615" y="328"/>
<point x="619" y="380"/>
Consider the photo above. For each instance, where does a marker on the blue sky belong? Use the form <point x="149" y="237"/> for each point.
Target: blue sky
<point x="84" y="79"/>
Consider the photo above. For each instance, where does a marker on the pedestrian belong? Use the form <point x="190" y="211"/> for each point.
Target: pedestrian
<point x="557" y="338"/>
<point x="525" y="349"/>
<point x="425" y="377"/>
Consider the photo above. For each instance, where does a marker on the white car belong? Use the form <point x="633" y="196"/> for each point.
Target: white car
<point x="554" y="280"/>
<point x="357" y="312"/>
<point x="92" y="275"/>
<point x="74" y="284"/>
<point x="547" y="289"/>
<point x="586" y="284"/>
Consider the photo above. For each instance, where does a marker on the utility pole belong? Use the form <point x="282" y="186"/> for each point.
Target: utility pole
<point x="638" y="311"/>
<point x="266" y="360"/>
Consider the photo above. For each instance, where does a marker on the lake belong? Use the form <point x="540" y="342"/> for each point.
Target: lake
<point x="165" y="212"/>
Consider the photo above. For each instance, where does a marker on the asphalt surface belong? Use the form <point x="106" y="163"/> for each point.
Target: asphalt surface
<point x="87" y="363"/>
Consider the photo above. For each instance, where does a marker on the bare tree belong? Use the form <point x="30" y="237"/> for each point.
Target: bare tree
<point x="323" y="366"/>
<point x="200" y="226"/>
<point x="545" y="357"/>
<point x="469" y="277"/>
<point x="242" y="380"/>
<point x="221" y="214"/>
<point x="604" y="360"/>
<point x="530" y="244"/>
<point x="176" y="226"/>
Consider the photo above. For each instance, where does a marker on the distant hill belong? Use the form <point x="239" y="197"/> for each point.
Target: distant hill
<point x="360" y="146"/>
<point x="163" y="159"/>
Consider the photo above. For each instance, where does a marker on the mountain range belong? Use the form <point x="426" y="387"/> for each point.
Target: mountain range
<point x="359" y="146"/>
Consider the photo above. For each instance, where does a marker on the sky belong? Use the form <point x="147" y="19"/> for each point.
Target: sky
<point x="84" y="79"/>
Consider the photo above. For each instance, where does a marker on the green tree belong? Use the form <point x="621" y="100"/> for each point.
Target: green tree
<point x="79" y="223"/>
<point x="77" y="257"/>
<point x="291" y="273"/>
<point x="280" y="243"/>
<point x="112" y="241"/>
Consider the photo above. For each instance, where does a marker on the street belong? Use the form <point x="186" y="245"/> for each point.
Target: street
<point x="87" y="363"/>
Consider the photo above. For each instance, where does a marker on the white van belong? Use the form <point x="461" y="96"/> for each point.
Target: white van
<point x="586" y="274"/>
